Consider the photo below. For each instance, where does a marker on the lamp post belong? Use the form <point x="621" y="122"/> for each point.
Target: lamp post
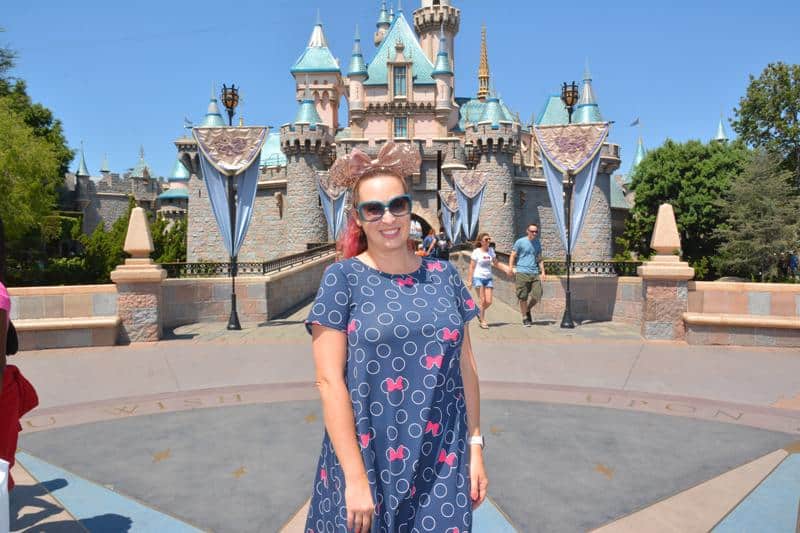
<point x="230" y="98"/>
<point x="569" y="95"/>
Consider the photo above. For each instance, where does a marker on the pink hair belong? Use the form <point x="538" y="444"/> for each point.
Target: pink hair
<point x="353" y="241"/>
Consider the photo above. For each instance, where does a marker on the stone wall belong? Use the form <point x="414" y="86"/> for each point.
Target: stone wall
<point x="204" y="242"/>
<point x="593" y="298"/>
<point x="80" y="301"/>
<point x="305" y="220"/>
<point x="259" y="298"/>
<point x="106" y="200"/>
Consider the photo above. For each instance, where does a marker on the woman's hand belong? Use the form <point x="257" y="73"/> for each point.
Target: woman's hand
<point x="360" y="507"/>
<point x="479" y="483"/>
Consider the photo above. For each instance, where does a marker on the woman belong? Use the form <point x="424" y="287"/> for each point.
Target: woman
<point x="480" y="274"/>
<point x="429" y="244"/>
<point x="402" y="448"/>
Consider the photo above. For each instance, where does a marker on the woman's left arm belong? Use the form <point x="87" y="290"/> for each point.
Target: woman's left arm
<point x="472" y="397"/>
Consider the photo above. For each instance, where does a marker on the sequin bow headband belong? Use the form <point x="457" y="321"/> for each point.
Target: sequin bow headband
<point x="397" y="159"/>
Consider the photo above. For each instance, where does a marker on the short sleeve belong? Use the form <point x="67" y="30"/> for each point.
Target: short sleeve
<point x="331" y="307"/>
<point x="516" y="247"/>
<point x="475" y="256"/>
<point x="466" y="305"/>
<point x="5" y="299"/>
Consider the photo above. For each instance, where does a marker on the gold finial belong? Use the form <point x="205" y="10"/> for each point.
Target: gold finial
<point x="483" y="69"/>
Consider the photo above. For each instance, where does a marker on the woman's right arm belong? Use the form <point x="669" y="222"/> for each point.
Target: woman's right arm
<point x="330" y="355"/>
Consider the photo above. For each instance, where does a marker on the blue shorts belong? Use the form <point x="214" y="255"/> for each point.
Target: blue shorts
<point x="482" y="282"/>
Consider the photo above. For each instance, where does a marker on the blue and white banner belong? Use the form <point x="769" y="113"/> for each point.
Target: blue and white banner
<point x="334" y="208"/>
<point x="451" y="219"/>
<point x="231" y="154"/>
<point x="470" y="210"/>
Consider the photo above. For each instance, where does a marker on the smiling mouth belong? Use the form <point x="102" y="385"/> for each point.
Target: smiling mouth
<point x="390" y="233"/>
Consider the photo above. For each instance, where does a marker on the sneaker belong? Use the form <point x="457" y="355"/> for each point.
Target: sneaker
<point x="528" y="316"/>
<point x="527" y="322"/>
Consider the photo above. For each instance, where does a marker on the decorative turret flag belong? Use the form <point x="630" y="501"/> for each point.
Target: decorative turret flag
<point x="231" y="153"/>
<point x="572" y="149"/>
<point x="451" y="215"/>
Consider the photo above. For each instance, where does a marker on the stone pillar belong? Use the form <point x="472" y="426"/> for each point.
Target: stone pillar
<point x="139" y="284"/>
<point x="664" y="282"/>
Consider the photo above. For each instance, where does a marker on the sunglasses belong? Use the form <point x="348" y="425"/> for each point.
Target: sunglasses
<point x="532" y="231"/>
<point x="373" y="210"/>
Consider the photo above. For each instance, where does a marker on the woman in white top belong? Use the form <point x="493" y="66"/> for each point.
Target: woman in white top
<point x="480" y="273"/>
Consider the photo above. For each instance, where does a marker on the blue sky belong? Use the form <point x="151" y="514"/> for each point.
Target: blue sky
<point x="124" y="74"/>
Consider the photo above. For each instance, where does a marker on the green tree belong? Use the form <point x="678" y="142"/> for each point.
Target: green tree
<point x="103" y="250"/>
<point x="768" y="115"/>
<point x="693" y="177"/>
<point x="169" y="240"/>
<point x="763" y="222"/>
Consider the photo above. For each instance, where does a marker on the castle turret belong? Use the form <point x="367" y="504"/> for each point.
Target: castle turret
<point x="104" y="170"/>
<point x="433" y="18"/>
<point x="307" y="143"/>
<point x="383" y="24"/>
<point x="357" y="74"/>
<point x="443" y="74"/>
<point x="322" y="76"/>
<point x="587" y="110"/>
<point x="721" y="135"/>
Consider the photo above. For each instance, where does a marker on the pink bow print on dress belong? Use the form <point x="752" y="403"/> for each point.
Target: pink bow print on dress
<point x="405" y="282"/>
<point x="364" y="439"/>
<point x="449" y="458"/>
<point x="323" y="475"/>
<point x="433" y="427"/>
<point x="450" y="335"/>
<point x="393" y="385"/>
<point x="397" y="454"/>
<point x="436" y="266"/>
<point x="351" y="327"/>
<point x="470" y="303"/>
<point x="433" y="361"/>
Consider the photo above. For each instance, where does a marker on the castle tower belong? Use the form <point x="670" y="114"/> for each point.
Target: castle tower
<point x="357" y="74"/>
<point x="307" y="144"/>
<point x="587" y="110"/>
<point x="433" y="17"/>
<point x="483" y="68"/>
<point x="104" y="170"/>
<point x="83" y="170"/>
<point x="443" y="74"/>
<point x="383" y="24"/>
<point x="317" y="70"/>
<point x="495" y="140"/>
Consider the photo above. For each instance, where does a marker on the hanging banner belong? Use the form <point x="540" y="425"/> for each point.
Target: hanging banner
<point x="334" y="201"/>
<point x="231" y="153"/>
<point x="470" y="186"/>
<point x="451" y="215"/>
<point x="571" y="149"/>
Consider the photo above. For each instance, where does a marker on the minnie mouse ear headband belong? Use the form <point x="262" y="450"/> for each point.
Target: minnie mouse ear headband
<point x="400" y="160"/>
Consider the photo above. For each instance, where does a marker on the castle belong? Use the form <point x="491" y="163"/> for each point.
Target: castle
<point x="405" y="93"/>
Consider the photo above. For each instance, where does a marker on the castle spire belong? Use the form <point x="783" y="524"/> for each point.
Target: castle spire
<point x="443" y="58"/>
<point x="213" y="118"/>
<point x="587" y="110"/>
<point x="357" y="65"/>
<point x="483" y="69"/>
<point x="82" y="171"/>
<point x="721" y="135"/>
<point x="104" y="166"/>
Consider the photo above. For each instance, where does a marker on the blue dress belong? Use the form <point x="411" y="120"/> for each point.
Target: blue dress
<point x="404" y="335"/>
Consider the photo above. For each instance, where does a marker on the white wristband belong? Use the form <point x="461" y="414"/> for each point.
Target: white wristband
<point x="477" y="441"/>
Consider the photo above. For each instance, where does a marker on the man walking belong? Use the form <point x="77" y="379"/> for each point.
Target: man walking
<point x="526" y="262"/>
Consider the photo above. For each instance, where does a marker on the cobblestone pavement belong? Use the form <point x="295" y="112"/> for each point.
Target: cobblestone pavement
<point x="217" y="430"/>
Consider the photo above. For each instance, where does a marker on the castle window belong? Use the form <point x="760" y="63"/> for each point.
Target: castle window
<point x="400" y="127"/>
<point x="399" y="81"/>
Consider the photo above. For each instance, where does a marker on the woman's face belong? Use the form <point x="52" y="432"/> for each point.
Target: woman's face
<point x="390" y="232"/>
<point x="486" y="240"/>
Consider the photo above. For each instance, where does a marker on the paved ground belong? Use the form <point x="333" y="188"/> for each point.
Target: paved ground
<point x="584" y="426"/>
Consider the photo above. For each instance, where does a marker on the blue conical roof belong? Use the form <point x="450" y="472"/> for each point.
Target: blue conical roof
<point x="317" y="57"/>
<point x="179" y="172"/>
<point x="587" y="109"/>
<point x="83" y="170"/>
<point x="443" y="65"/>
<point x="307" y="112"/>
<point x="637" y="159"/>
<point x="493" y="113"/>
<point x="721" y="135"/>
<point x="271" y="154"/>
<point x="142" y="166"/>
<point x="357" y="65"/>
<point x="383" y="17"/>
<point x="213" y="118"/>
<point x="104" y="166"/>
<point x="554" y="112"/>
